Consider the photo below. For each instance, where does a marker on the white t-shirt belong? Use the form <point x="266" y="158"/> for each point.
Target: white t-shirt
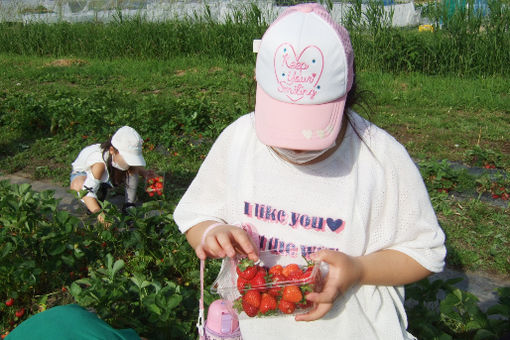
<point x="87" y="157"/>
<point x="366" y="197"/>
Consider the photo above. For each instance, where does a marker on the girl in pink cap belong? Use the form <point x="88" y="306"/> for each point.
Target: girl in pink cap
<point x="309" y="174"/>
<point x="99" y="166"/>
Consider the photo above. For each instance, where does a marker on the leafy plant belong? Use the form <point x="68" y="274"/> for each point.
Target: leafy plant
<point x="481" y="157"/>
<point x="439" y="310"/>
<point x="439" y="176"/>
<point x="497" y="185"/>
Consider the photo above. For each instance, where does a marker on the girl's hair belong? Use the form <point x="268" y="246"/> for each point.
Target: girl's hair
<point x="361" y="99"/>
<point x="117" y="176"/>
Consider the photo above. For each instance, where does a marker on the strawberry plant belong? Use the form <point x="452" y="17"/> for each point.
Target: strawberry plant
<point x="439" y="310"/>
<point x="497" y="186"/>
<point x="486" y="158"/>
<point x="439" y="176"/>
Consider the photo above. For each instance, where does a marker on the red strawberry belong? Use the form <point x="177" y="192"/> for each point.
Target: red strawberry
<point x="267" y="303"/>
<point x="307" y="277"/>
<point x="9" y="302"/>
<point x="291" y="271"/>
<point x="259" y="281"/>
<point x="246" y="269"/>
<point x="304" y="305"/>
<point x="292" y="294"/>
<point x="286" y="306"/>
<point x="250" y="310"/>
<point x="276" y="288"/>
<point x="276" y="269"/>
<point x="241" y="284"/>
<point x="19" y="313"/>
<point x="252" y="297"/>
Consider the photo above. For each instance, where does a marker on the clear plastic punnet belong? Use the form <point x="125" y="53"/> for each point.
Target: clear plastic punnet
<point x="276" y="285"/>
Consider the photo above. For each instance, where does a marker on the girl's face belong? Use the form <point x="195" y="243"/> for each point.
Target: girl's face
<point x="117" y="160"/>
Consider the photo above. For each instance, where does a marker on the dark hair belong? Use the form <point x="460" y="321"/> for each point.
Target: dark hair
<point x="362" y="99"/>
<point x="117" y="177"/>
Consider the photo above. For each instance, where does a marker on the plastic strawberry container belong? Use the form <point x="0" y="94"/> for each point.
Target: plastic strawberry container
<point x="277" y="288"/>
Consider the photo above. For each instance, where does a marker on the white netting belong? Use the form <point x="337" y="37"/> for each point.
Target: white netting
<point x="49" y="11"/>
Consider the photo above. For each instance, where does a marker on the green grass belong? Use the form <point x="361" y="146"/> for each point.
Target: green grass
<point x="182" y="104"/>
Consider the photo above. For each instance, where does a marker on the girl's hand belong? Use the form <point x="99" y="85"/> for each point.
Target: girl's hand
<point x="101" y="218"/>
<point x="344" y="272"/>
<point x="226" y="240"/>
<point x="150" y="174"/>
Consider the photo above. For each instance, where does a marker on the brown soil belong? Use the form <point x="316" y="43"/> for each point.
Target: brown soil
<point x="66" y="62"/>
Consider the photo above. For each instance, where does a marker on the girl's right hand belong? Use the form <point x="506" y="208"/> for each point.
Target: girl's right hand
<point x="226" y="240"/>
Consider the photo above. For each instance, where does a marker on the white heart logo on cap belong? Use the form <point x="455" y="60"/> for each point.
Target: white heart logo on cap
<point x="298" y="75"/>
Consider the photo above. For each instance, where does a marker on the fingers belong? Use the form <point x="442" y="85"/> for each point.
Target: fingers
<point x="199" y="250"/>
<point x="213" y="247"/>
<point x="227" y="241"/>
<point x="326" y="255"/>
<point x="318" y="312"/>
<point x="245" y="243"/>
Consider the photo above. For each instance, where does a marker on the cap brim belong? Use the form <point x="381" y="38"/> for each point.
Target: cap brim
<point x="297" y="126"/>
<point x="133" y="159"/>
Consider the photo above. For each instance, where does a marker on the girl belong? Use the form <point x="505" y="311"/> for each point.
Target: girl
<point x="116" y="161"/>
<point x="308" y="173"/>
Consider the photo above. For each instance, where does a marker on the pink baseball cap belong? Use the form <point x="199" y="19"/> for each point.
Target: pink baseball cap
<point x="304" y="71"/>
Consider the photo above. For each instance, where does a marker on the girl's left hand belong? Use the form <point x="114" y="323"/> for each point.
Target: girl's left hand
<point x="150" y="174"/>
<point x="344" y="272"/>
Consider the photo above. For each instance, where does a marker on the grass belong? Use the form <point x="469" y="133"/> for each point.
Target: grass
<point x="182" y="104"/>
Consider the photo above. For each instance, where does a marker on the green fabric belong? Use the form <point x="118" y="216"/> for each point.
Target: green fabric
<point x="69" y="322"/>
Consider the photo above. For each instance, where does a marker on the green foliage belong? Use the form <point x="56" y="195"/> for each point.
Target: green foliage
<point x="442" y="177"/>
<point x="463" y="43"/>
<point x="139" y="272"/>
<point x="486" y="158"/>
<point x="439" y="310"/>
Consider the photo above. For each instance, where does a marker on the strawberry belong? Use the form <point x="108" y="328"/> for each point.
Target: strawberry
<point x="276" y="288"/>
<point x="259" y="281"/>
<point x="307" y="277"/>
<point x="286" y="307"/>
<point x="241" y="284"/>
<point x="291" y="271"/>
<point x="9" y="302"/>
<point x="305" y="304"/>
<point x="250" y="310"/>
<point x="19" y="313"/>
<point x="276" y="269"/>
<point x="246" y="269"/>
<point x="292" y="294"/>
<point x="267" y="303"/>
<point x="252" y="297"/>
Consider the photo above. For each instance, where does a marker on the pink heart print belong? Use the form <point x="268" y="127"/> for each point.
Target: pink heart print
<point x="298" y="75"/>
